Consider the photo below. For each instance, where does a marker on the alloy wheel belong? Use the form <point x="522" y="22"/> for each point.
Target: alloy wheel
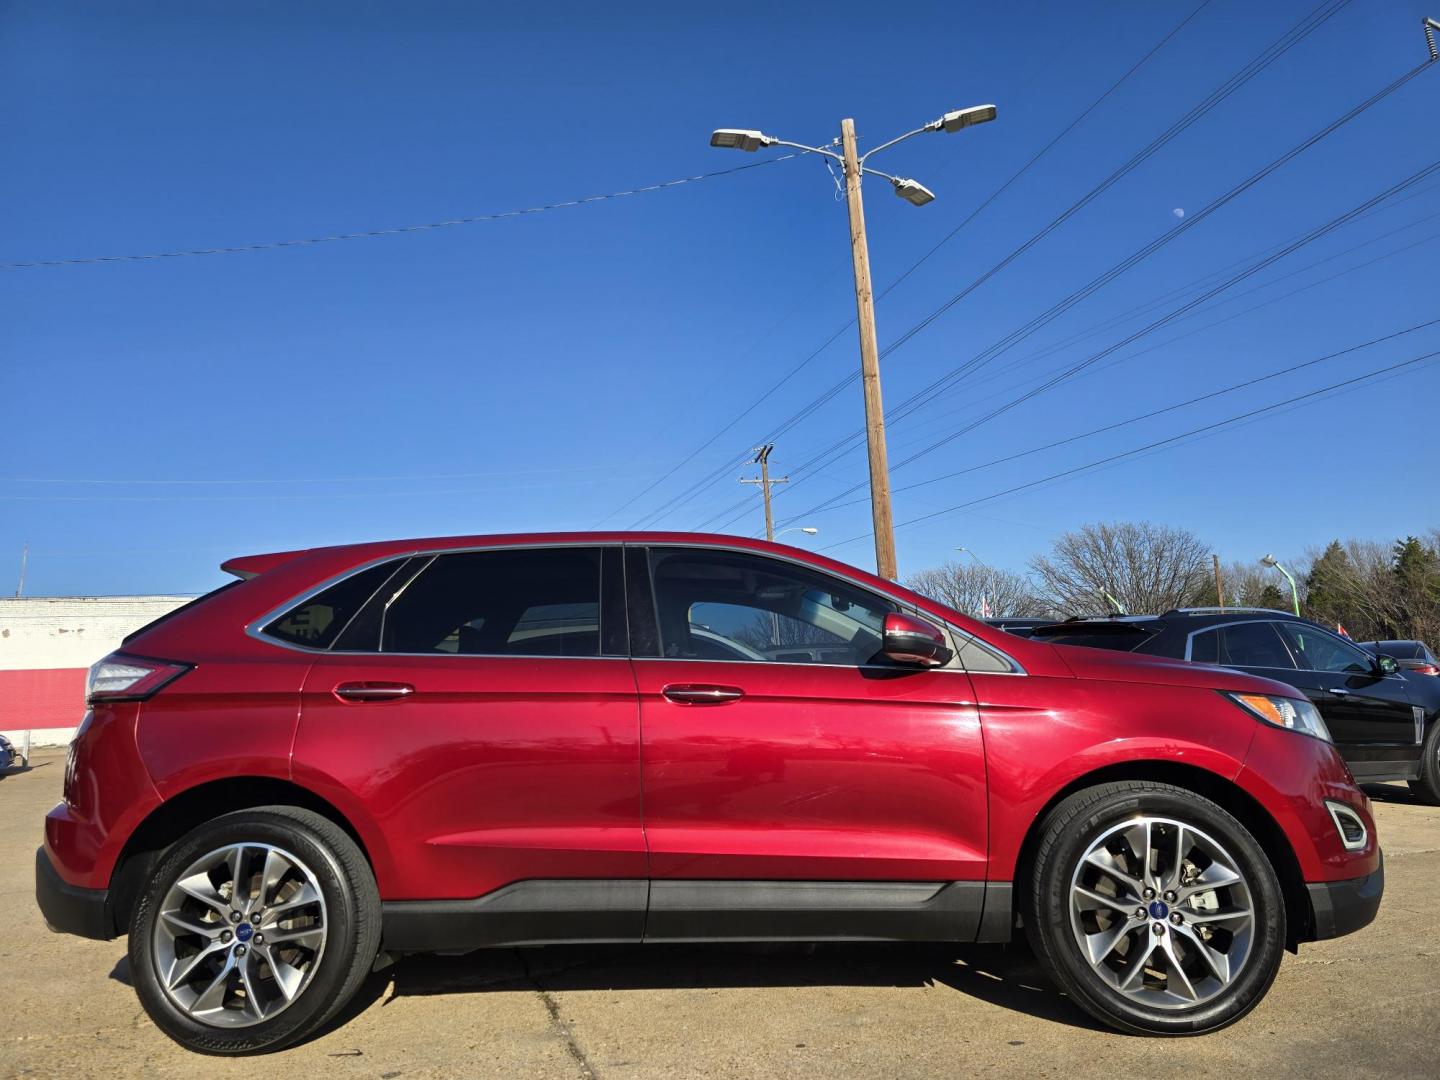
<point x="1162" y="912"/>
<point x="239" y="935"/>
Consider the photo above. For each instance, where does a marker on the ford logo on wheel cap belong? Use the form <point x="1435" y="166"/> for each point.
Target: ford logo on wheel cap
<point x="1159" y="909"/>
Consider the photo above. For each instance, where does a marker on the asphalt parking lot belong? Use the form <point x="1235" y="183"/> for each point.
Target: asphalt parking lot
<point x="1360" y="1006"/>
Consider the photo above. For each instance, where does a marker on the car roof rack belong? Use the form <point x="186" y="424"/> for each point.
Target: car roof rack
<point x="1233" y="607"/>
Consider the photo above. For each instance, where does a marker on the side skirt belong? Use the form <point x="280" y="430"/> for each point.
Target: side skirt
<point x="554" y="912"/>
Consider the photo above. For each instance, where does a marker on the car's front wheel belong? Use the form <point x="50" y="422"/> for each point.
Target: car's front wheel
<point x="1155" y="909"/>
<point x="255" y="929"/>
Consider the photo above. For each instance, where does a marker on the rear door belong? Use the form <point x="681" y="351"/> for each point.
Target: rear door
<point x="482" y="708"/>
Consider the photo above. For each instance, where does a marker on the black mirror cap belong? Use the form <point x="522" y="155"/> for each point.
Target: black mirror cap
<point x="1386" y="665"/>
<point x="909" y="640"/>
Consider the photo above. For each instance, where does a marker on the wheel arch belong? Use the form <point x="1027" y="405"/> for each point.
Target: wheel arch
<point x="177" y="815"/>
<point x="1218" y="789"/>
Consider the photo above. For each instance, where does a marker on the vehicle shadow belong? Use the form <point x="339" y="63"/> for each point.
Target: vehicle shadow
<point x="1007" y="976"/>
<point x="21" y="770"/>
<point x="1398" y="793"/>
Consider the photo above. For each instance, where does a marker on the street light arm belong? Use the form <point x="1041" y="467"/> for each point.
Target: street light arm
<point x="808" y="149"/>
<point x="934" y="125"/>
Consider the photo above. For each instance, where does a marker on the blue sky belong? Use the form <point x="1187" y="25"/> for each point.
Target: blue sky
<point x="538" y="372"/>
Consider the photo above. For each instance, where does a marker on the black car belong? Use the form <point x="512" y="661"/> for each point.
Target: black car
<point x="1410" y="655"/>
<point x="1020" y="627"/>
<point x="1386" y="724"/>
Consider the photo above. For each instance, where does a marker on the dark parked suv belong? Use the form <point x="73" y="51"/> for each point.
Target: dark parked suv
<point x="1384" y="722"/>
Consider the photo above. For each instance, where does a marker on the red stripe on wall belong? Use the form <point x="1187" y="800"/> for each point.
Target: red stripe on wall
<point x="46" y="698"/>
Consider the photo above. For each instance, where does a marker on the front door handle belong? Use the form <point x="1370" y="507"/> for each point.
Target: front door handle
<point x="702" y="693"/>
<point x="1339" y="692"/>
<point x="373" y="691"/>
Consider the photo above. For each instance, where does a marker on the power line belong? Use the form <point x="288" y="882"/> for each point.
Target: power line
<point x="1074" y="470"/>
<point x="1311" y="22"/>
<point x="1209" y="395"/>
<point x="805" y="362"/>
<point x="916" y="400"/>
<point x="370" y="234"/>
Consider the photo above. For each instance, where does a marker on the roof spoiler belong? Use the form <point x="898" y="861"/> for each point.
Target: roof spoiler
<point x="245" y="567"/>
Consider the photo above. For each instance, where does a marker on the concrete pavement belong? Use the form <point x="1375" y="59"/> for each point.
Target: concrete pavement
<point x="1361" y="1006"/>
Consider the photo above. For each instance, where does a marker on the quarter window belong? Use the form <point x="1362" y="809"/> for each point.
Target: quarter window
<point x="542" y="602"/>
<point x="719" y="605"/>
<point x="318" y="621"/>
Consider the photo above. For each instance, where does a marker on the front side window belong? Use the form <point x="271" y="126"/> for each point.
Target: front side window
<point x="541" y="602"/>
<point x="721" y="605"/>
<point x="316" y="623"/>
<point x="1316" y="650"/>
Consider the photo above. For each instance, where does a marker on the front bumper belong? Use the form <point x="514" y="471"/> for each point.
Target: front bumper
<point x="69" y="909"/>
<point x="1342" y="907"/>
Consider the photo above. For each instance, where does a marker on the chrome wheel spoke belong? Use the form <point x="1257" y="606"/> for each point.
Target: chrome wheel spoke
<point x="1161" y="912"/>
<point x="238" y="959"/>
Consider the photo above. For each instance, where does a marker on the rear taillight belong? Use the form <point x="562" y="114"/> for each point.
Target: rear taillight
<point x="122" y="677"/>
<point x="1426" y="669"/>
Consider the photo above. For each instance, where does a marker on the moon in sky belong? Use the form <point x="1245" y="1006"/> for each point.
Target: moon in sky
<point x="1179" y="211"/>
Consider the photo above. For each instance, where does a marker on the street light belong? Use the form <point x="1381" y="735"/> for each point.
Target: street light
<point x="1274" y="564"/>
<point x="808" y="530"/>
<point x="916" y="194"/>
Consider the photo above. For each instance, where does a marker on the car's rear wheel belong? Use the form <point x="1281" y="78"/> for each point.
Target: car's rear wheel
<point x="255" y="929"/>
<point x="1427" y="787"/>
<point x="1155" y="909"/>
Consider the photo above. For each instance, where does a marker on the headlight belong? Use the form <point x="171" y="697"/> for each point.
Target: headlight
<point x="1296" y="714"/>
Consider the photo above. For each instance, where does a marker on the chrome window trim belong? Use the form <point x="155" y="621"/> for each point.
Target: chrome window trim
<point x="1276" y="623"/>
<point x="255" y="628"/>
<point x="1016" y="668"/>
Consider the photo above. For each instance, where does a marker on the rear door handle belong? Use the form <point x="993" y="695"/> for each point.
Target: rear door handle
<point x="373" y="691"/>
<point x="702" y="693"/>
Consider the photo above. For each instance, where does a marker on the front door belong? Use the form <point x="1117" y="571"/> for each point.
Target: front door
<point x="485" y="710"/>
<point x="1363" y="708"/>
<point x="781" y="747"/>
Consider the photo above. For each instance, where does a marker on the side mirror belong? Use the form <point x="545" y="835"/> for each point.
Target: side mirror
<point x="909" y="640"/>
<point x="1386" y="665"/>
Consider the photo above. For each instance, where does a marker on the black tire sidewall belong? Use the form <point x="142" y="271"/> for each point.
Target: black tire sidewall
<point x="317" y="1001"/>
<point x="1050" y="904"/>
<point x="1427" y="787"/>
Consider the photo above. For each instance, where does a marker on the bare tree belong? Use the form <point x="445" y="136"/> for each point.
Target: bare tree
<point x="971" y="588"/>
<point x="1146" y="567"/>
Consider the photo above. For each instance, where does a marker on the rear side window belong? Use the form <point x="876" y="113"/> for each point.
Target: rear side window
<point x="316" y="623"/>
<point x="1254" y="644"/>
<point x="543" y="602"/>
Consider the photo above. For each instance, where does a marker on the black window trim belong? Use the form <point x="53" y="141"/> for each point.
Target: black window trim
<point x="256" y="628"/>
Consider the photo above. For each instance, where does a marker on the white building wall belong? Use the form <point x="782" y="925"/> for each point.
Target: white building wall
<point x="45" y="641"/>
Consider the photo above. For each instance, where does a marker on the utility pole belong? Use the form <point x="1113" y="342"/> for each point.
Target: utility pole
<point x="1219" y="586"/>
<point x="914" y="193"/>
<point x="24" y="563"/>
<point x="884" y="522"/>
<point x="762" y="458"/>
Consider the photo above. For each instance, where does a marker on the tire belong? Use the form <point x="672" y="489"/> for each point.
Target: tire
<point x="1154" y="975"/>
<point x="198" y="957"/>
<point x="1427" y="788"/>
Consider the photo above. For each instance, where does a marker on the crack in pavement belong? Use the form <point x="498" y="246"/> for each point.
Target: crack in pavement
<point x="559" y="1023"/>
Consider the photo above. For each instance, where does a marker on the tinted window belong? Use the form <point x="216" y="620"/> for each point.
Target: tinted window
<point x="544" y="602"/>
<point x="1205" y="648"/>
<point x="1316" y="650"/>
<point x="1254" y="644"/>
<point x="1121" y="637"/>
<point x="317" y="622"/>
<point x="715" y="602"/>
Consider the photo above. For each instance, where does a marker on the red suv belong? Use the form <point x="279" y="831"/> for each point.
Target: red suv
<point x="359" y="752"/>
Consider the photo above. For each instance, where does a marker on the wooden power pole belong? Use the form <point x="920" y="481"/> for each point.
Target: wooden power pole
<point x="762" y="458"/>
<point x="1219" y="584"/>
<point x="884" y="523"/>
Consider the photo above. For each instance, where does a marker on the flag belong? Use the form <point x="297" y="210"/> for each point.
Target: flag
<point x="986" y="611"/>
